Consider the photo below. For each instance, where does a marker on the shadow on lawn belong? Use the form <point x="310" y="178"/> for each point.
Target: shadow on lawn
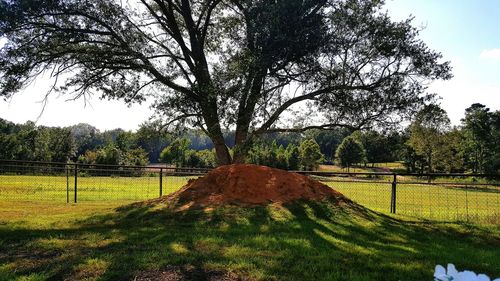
<point x="302" y="241"/>
<point x="493" y="188"/>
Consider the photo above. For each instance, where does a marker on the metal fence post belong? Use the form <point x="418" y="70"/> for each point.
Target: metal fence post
<point x="161" y="182"/>
<point x="76" y="182"/>
<point x="393" y="195"/>
<point x="67" y="184"/>
<point x="466" y="205"/>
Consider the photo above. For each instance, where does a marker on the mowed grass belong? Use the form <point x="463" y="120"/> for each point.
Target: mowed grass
<point x="302" y="241"/>
<point x="370" y="167"/>
<point x="478" y="204"/>
<point x="60" y="188"/>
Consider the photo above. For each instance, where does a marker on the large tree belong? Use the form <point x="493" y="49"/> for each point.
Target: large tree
<point x="310" y="155"/>
<point x="481" y="129"/>
<point x="246" y="65"/>
<point x="427" y="133"/>
<point x="376" y="146"/>
<point x="349" y="152"/>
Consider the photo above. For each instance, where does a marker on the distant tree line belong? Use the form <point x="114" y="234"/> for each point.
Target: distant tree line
<point x="428" y="144"/>
<point x="433" y="145"/>
<point x="35" y="143"/>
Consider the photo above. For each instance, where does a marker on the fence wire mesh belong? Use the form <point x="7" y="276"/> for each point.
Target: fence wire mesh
<point x="32" y="181"/>
<point x="445" y="197"/>
<point x="371" y="191"/>
<point x="450" y="198"/>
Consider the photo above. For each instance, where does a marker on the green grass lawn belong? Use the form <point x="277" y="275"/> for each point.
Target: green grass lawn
<point x="429" y="201"/>
<point x="58" y="188"/>
<point x="304" y="241"/>
<point x="479" y="204"/>
<point x="370" y="167"/>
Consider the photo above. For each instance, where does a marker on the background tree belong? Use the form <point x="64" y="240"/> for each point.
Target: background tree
<point x="153" y="139"/>
<point x="426" y="133"/>
<point x="8" y="140"/>
<point x="109" y="155"/>
<point x="495" y="136"/>
<point x="126" y="140"/>
<point x="263" y="153"/>
<point x="349" y="61"/>
<point x="310" y="155"/>
<point x="329" y="140"/>
<point x="274" y="155"/>
<point x="453" y="150"/>
<point x="89" y="157"/>
<point x="207" y="158"/>
<point x="176" y="153"/>
<point x="293" y="157"/>
<point x="481" y="146"/>
<point x="376" y="146"/>
<point x="86" y="137"/>
<point x="449" y="154"/>
<point x="281" y="157"/>
<point x="396" y="141"/>
<point x="32" y="143"/>
<point x="350" y="152"/>
<point x="61" y="145"/>
<point x="134" y="157"/>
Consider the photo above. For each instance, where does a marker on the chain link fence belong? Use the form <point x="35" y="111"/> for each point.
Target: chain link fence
<point x="45" y="181"/>
<point x="444" y="197"/>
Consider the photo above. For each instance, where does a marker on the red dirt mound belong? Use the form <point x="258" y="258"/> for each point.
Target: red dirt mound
<point x="245" y="184"/>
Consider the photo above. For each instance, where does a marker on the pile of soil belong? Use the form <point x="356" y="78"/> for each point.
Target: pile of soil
<point x="247" y="185"/>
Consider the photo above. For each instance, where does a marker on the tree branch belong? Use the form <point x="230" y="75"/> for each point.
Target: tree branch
<point x="331" y="126"/>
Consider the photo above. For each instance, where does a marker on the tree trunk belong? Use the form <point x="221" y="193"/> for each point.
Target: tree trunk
<point x="210" y="115"/>
<point x="242" y="146"/>
<point x="245" y="111"/>
<point x="222" y="153"/>
<point x="429" y="160"/>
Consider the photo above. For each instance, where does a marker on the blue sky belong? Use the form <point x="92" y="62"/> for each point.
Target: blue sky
<point x="459" y="29"/>
<point x="466" y="32"/>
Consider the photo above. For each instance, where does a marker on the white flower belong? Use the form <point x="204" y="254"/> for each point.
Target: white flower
<point x="452" y="274"/>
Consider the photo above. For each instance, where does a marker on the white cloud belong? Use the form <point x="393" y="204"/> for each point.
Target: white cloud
<point x="102" y="114"/>
<point x="459" y="94"/>
<point x="468" y="86"/>
<point x="490" y="54"/>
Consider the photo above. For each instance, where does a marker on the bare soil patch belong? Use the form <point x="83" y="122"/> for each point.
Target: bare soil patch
<point x="186" y="273"/>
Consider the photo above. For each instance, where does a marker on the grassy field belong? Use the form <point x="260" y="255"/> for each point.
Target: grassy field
<point x="370" y="167"/>
<point x="479" y="204"/>
<point x="58" y="188"/>
<point x="305" y="241"/>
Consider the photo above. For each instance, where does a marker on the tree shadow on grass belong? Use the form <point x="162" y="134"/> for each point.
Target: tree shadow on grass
<point x="386" y="244"/>
<point x="301" y="241"/>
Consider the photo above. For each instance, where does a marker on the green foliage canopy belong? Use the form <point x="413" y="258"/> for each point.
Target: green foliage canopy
<point x="427" y="132"/>
<point x="348" y="60"/>
<point x="310" y="155"/>
<point x="350" y="152"/>
<point x="481" y="128"/>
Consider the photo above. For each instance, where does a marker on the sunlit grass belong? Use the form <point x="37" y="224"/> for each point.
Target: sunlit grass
<point x="370" y="167"/>
<point x="430" y="201"/>
<point x="62" y="188"/>
<point x="480" y="204"/>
